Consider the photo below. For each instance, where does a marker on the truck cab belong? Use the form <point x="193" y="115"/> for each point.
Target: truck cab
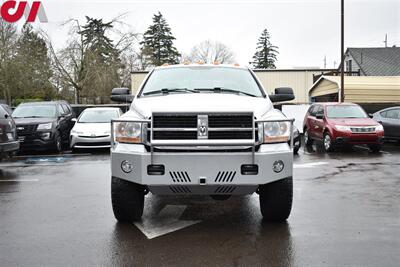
<point x="202" y="130"/>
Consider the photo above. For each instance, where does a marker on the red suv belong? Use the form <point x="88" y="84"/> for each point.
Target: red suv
<point x="338" y="124"/>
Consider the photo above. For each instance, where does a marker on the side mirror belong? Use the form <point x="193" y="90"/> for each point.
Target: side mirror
<point x="74" y="120"/>
<point x="320" y="116"/>
<point x="282" y="94"/>
<point x="121" y="95"/>
<point x="371" y="115"/>
<point x="6" y="116"/>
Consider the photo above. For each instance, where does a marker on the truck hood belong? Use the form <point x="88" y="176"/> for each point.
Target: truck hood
<point x="354" y="122"/>
<point x="201" y="103"/>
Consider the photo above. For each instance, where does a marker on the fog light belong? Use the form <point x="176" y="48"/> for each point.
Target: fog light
<point x="45" y="136"/>
<point x="126" y="167"/>
<point x="278" y="166"/>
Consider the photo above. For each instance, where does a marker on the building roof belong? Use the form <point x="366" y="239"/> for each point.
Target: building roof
<point x="379" y="61"/>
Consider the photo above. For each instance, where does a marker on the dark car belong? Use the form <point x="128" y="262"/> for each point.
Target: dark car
<point x="390" y="119"/>
<point x="43" y="125"/>
<point x="339" y="124"/>
<point x="8" y="136"/>
<point x="296" y="140"/>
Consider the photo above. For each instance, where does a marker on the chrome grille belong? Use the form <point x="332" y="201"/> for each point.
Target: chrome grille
<point x="362" y="129"/>
<point x="191" y="127"/>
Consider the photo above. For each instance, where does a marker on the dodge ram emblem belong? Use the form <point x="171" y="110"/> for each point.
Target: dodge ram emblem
<point x="202" y="126"/>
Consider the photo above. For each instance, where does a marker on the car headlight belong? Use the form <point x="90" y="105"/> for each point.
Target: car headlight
<point x="45" y="126"/>
<point x="128" y="132"/>
<point x="276" y="132"/>
<point x="342" y="128"/>
<point x="76" y="132"/>
<point x="379" y="128"/>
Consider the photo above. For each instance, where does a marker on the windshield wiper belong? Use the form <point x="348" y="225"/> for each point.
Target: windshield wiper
<point x="166" y="91"/>
<point x="224" y="90"/>
<point x="29" y="117"/>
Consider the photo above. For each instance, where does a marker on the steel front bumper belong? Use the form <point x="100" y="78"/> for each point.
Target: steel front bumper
<point x="201" y="172"/>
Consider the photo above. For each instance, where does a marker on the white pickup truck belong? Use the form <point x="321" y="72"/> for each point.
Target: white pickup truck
<point x="202" y="130"/>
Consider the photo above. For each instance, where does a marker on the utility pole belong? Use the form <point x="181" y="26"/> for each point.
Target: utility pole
<point x="325" y="62"/>
<point x="342" y="54"/>
<point x="385" y="40"/>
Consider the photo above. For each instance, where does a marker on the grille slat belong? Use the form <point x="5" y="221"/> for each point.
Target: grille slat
<point x="24" y="130"/>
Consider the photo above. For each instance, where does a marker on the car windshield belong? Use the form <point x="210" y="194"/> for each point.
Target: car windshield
<point x="35" y="111"/>
<point x="201" y="79"/>
<point x="345" y="112"/>
<point x="98" y="116"/>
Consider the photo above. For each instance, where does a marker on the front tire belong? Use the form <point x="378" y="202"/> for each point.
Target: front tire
<point x="327" y="143"/>
<point x="276" y="200"/>
<point x="57" y="143"/>
<point x="307" y="140"/>
<point x="127" y="200"/>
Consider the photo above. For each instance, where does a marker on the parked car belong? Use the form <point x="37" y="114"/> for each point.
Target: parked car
<point x="390" y="119"/>
<point x="92" y="128"/>
<point x="8" y="135"/>
<point x="43" y="125"/>
<point x="340" y="124"/>
<point x="202" y="130"/>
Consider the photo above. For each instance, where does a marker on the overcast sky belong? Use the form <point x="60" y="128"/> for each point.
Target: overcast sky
<point x="304" y="31"/>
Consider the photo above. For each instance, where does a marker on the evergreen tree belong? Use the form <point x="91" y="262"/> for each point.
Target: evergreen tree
<point x="34" y="66"/>
<point x="266" y="53"/>
<point x="157" y="44"/>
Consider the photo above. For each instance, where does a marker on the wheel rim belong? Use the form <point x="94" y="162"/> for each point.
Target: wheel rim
<point x="327" y="142"/>
<point x="306" y="137"/>
<point x="58" y="144"/>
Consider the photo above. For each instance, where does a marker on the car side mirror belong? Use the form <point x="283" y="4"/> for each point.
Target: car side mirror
<point x="74" y="120"/>
<point x="121" y="95"/>
<point x="6" y="116"/>
<point x="282" y="94"/>
<point x="371" y="115"/>
<point x="320" y="116"/>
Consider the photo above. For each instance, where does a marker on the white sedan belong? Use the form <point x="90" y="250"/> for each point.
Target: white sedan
<point x="92" y="128"/>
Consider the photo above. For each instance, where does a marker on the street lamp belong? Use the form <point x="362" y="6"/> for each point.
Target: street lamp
<point x="342" y="54"/>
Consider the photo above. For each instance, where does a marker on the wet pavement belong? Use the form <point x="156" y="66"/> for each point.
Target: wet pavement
<point x="56" y="211"/>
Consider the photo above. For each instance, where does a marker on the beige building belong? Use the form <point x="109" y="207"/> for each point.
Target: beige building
<point x="301" y="80"/>
<point x="358" y="89"/>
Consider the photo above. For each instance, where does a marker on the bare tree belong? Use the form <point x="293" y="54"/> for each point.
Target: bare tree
<point x="212" y="51"/>
<point x="77" y="68"/>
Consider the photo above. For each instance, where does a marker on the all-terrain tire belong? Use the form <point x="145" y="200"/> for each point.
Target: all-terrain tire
<point x="276" y="200"/>
<point x="127" y="200"/>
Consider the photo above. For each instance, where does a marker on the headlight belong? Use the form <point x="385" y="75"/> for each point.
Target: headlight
<point x="343" y="128"/>
<point x="379" y="128"/>
<point x="45" y="126"/>
<point x="76" y="132"/>
<point x="128" y="132"/>
<point x="276" y="132"/>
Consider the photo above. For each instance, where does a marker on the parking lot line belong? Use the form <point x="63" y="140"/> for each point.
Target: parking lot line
<point x="310" y="165"/>
<point x="19" y="180"/>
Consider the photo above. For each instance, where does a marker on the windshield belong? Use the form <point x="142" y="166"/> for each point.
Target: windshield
<point x="35" y="111"/>
<point x="98" y="116"/>
<point x="345" y="112"/>
<point x="202" y="79"/>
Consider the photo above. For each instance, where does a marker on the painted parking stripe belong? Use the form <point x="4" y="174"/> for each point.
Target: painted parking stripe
<point x="309" y="165"/>
<point x="19" y="180"/>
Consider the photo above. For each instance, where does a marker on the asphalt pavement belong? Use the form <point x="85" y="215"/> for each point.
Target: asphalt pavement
<point x="55" y="210"/>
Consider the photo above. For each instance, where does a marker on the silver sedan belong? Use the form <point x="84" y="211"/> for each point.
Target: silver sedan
<point x="92" y="128"/>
